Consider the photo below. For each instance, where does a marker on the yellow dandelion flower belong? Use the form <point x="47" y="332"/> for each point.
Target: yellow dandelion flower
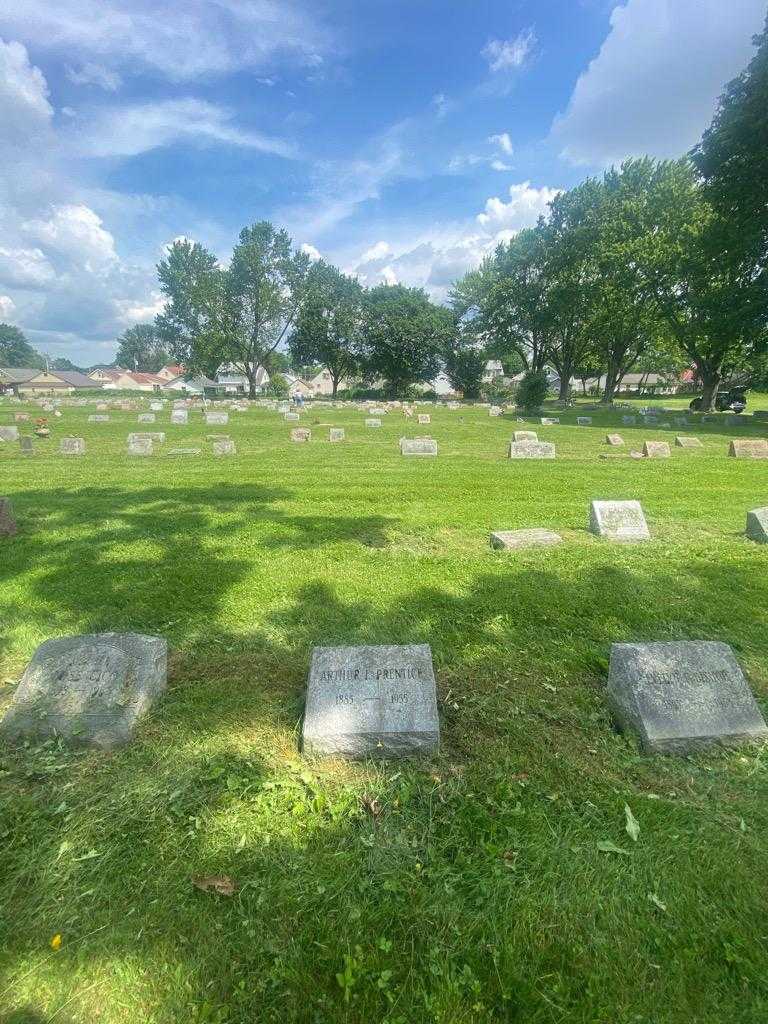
<point x="56" y="942"/>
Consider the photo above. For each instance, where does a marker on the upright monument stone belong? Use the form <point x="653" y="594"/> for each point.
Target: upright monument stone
<point x="682" y="695"/>
<point x="72" y="446"/>
<point x="531" y="450"/>
<point x="757" y="525"/>
<point x="371" y="702"/>
<point x="618" y="520"/>
<point x="7" y="521"/>
<point x="418" y="446"/>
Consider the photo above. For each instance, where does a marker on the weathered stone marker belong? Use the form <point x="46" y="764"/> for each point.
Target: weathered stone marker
<point x="72" y="446"/>
<point x="584" y="421"/>
<point x="336" y="434"/>
<point x="146" y="417"/>
<point x="629" y="421"/>
<point x="424" y="418"/>
<point x="743" y="449"/>
<point x="90" y="689"/>
<point x="226" y="446"/>
<point x="98" y="419"/>
<point x="618" y="520"/>
<point x="549" y="421"/>
<point x="140" y="445"/>
<point x="511" y="540"/>
<point x="291" y="417"/>
<point x="656" y="450"/>
<point x="688" y="442"/>
<point x="7" y="521"/>
<point x="9" y="433"/>
<point x="217" y="419"/>
<point x="301" y="434"/>
<point x="682" y="695"/>
<point x="526" y="435"/>
<point x="373" y="423"/>
<point x="27" y="445"/>
<point x="531" y="450"/>
<point x="371" y="702"/>
<point x="179" y="416"/>
<point x="418" y="446"/>
<point x="614" y="440"/>
<point x="495" y="410"/>
<point x="757" y="525"/>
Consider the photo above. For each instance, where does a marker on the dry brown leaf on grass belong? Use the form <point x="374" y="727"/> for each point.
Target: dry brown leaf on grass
<point x="371" y="805"/>
<point x="222" y="884"/>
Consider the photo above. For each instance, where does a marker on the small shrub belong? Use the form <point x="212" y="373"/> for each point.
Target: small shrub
<point x="532" y="389"/>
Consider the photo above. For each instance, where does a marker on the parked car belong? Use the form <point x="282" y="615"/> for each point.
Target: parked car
<point x="732" y="400"/>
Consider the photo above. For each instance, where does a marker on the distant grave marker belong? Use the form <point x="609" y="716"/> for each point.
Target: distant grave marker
<point x="301" y="434"/>
<point x="629" y="421"/>
<point x="98" y="419"/>
<point x="377" y="701"/>
<point x="584" y="421"/>
<point x="226" y="446"/>
<point x="531" y="450"/>
<point x="757" y="525"/>
<point x="146" y="417"/>
<point x="217" y="419"/>
<point x="424" y="418"/>
<point x="140" y="445"/>
<point x="72" y="446"/>
<point x="549" y="421"/>
<point x="688" y="442"/>
<point x="682" y="695"/>
<point x="752" y="449"/>
<point x="27" y="445"/>
<point x="7" y="520"/>
<point x="373" y="422"/>
<point x="656" y="450"/>
<point x="615" y="440"/>
<point x="88" y="689"/>
<point x="419" y="446"/>
<point x="9" y="433"/>
<point x="512" y="540"/>
<point x="618" y="520"/>
<point x="180" y="417"/>
<point x="336" y="434"/>
<point x="526" y="435"/>
<point x="495" y="410"/>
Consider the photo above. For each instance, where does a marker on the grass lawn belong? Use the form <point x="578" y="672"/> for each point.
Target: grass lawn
<point x="472" y="888"/>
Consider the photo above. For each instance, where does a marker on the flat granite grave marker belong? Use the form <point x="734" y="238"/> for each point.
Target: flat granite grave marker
<point x="656" y="450"/>
<point x="336" y="434"/>
<point x="226" y="446"/>
<point x="549" y="421"/>
<point x="72" y="446"/>
<point x="301" y="434"/>
<point x="140" y="445"/>
<point x="146" y="417"/>
<point x="98" y="419"/>
<point x="743" y="449"/>
<point x="90" y="689"/>
<point x="373" y="423"/>
<point x="682" y="695"/>
<point x="584" y="421"/>
<point x="183" y="451"/>
<point x="371" y="702"/>
<point x="27" y="445"/>
<point x="531" y="450"/>
<point x="615" y="440"/>
<point x="757" y="525"/>
<point x="217" y="419"/>
<point x="7" y="521"/>
<point x="511" y="540"/>
<point x="526" y="435"/>
<point x="179" y="416"/>
<point x="424" y="418"/>
<point x="688" y="442"/>
<point x="618" y="520"/>
<point x="291" y="417"/>
<point x="418" y="446"/>
<point x="9" y="433"/>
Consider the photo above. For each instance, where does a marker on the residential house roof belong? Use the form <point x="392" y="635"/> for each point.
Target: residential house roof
<point x="77" y="379"/>
<point x="17" y="374"/>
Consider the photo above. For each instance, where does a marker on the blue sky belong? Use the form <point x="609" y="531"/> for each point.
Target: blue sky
<point x="401" y="140"/>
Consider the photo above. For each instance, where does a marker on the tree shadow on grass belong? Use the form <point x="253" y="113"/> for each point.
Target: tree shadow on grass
<point x="213" y="784"/>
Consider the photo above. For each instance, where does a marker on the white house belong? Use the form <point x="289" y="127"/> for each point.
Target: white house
<point x="299" y="386"/>
<point x="234" y="381"/>
<point x="493" y="371"/>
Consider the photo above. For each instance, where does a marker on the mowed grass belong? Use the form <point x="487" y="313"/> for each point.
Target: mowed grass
<point x="470" y="888"/>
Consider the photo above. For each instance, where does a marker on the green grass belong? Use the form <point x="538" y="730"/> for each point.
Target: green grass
<point x="478" y="891"/>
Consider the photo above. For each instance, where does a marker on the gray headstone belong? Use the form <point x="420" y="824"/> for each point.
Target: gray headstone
<point x="418" y="446"/>
<point x="72" y="446"/>
<point x="549" y="421"/>
<point x="682" y="695"/>
<point x="760" y="414"/>
<point x="755" y="449"/>
<point x="98" y="419"/>
<point x="140" y="446"/>
<point x="526" y="435"/>
<point x="510" y="540"/>
<point x="618" y="520"/>
<point x="90" y="689"/>
<point x="26" y="444"/>
<point x="656" y="450"/>
<point x="584" y="421"/>
<point x="336" y="434"/>
<point x="757" y="525"/>
<point x="424" y="418"/>
<point x="214" y="419"/>
<point x="373" y="423"/>
<point x="179" y="416"/>
<point x="183" y="451"/>
<point x="531" y="450"/>
<point x="224" y="447"/>
<point x="7" y="521"/>
<point x="615" y="440"/>
<point x="301" y="434"/>
<point x="9" y="433"/>
<point x="629" y="421"/>
<point x="146" y="417"/>
<point x="688" y="442"/>
<point x="292" y="417"/>
<point x="371" y="702"/>
<point x="156" y="406"/>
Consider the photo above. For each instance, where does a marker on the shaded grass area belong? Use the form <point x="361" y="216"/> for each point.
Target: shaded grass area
<point x="470" y="888"/>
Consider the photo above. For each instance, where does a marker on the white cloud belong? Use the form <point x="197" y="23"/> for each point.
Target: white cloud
<point x="129" y="130"/>
<point x="388" y="275"/>
<point x="376" y="252"/>
<point x="499" y="165"/>
<point x="25" y="268"/>
<point x="74" y="234"/>
<point x="311" y="251"/>
<point x="132" y="312"/>
<point x="653" y="86"/>
<point x="23" y="94"/>
<point x="7" y="306"/>
<point x="95" y="74"/>
<point x="182" y="42"/>
<point x="525" y="206"/>
<point x="504" y="142"/>
<point x="510" y="54"/>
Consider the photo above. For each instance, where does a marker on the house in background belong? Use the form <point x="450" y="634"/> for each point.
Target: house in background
<point x="494" y="370"/>
<point x="200" y="385"/>
<point x="171" y="372"/>
<point x="298" y="386"/>
<point x="23" y="381"/>
<point x="234" y="381"/>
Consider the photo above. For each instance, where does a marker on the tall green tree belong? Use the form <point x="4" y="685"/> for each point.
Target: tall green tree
<point x="239" y="314"/>
<point x="141" y="348"/>
<point x="402" y="337"/>
<point x="329" y="324"/>
<point x="15" y="350"/>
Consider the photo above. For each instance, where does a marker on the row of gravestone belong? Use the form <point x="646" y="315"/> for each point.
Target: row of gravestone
<point x="378" y="701"/>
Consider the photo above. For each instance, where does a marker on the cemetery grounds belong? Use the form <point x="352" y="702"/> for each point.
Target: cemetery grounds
<point x="540" y="869"/>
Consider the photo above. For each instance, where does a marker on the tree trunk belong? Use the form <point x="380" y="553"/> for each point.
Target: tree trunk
<point x="251" y="375"/>
<point x="565" y="388"/>
<point x="611" y="383"/>
<point x="711" y="380"/>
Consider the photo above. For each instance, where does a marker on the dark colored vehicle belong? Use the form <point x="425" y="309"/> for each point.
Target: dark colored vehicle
<point x="734" y="400"/>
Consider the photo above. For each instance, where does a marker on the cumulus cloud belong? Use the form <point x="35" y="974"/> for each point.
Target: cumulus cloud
<point x="7" y="306"/>
<point x="311" y="251"/>
<point x="510" y="54"/>
<point x="23" y="95"/>
<point x="504" y="142"/>
<point x="654" y="84"/>
<point x="525" y="206"/>
<point x="376" y="252"/>
<point x="74" y="233"/>
<point x="200" y="38"/>
<point x="129" y="130"/>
